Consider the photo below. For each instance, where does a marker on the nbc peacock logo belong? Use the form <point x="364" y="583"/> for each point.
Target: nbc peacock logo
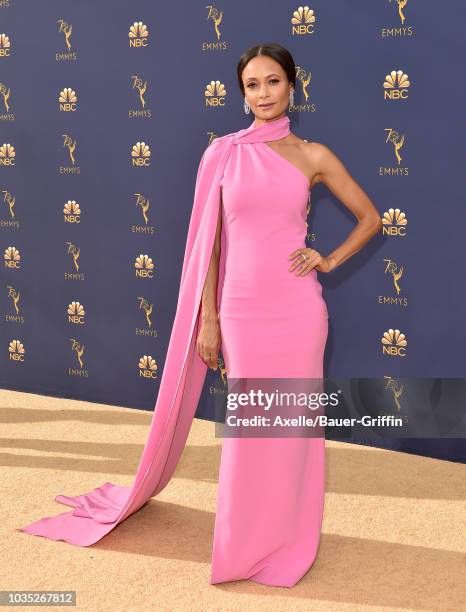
<point x="144" y="266"/>
<point x="394" y="343"/>
<point x="7" y="155"/>
<point x="394" y="222"/>
<point x="75" y="312"/>
<point x="148" y="367"/>
<point x="140" y="155"/>
<point x="215" y="94"/>
<point x="12" y="258"/>
<point x="16" y="350"/>
<point x="396" y="85"/>
<point x="67" y="100"/>
<point x="72" y="212"/>
<point x="138" y="35"/>
<point x="5" y="45"/>
<point x="303" y="21"/>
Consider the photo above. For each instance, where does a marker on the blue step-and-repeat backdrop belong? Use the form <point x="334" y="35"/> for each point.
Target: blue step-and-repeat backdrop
<point x="105" y="111"/>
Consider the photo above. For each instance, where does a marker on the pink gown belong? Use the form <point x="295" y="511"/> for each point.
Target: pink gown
<point x="273" y="324"/>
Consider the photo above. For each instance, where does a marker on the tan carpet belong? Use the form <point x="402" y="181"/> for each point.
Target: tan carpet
<point x="393" y="533"/>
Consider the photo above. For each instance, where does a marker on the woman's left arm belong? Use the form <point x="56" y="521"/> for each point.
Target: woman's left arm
<point x="331" y="171"/>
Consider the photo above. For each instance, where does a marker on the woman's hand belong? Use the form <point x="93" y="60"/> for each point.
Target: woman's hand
<point x="313" y="260"/>
<point x="209" y="342"/>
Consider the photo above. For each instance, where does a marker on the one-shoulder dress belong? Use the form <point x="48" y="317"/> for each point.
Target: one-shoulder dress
<point x="273" y="324"/>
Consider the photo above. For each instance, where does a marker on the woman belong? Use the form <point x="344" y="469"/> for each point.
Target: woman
<point x="244" y="254"/>
<point x="272" y="322"/>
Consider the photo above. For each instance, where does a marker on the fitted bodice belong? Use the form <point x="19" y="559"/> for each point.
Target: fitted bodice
<point x="264" y="212"/>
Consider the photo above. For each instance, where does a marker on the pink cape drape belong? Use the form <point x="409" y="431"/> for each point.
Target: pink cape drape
<point x="98" y="511"/>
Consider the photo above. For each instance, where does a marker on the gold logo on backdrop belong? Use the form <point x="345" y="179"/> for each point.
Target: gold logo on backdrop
<point x="76" y="312"/>
<point x="66" y="29"/>
<point x="141" y="87"/>
<point x="7" y="154"/>
<point x="401" y="5"/>
<point x="394" y="222"/>
<point x="396" y="85"/>
<point x="212" y="136"/>
<point x="394" y="343"/>
<point x="9" y="200"/>
<point x="398" y="31"/>
<point x="75" y="252"/>
<point x="79" y="350"/>
<point x="12" y="258"/>
<point x="5" y="92"/>
<point x="222" y="371"/>
<point x="396" y="272"/>
<point x="140" y="154"/>
<point x="396" y="389"/>
<point x="216" y="17"/>
<point x="16" y="350"/>
<point x="309" y="236"/>
<point x="144" y="267"/>
<point x="5" y="45"/>
<point x="14" y="295"/>
<point x="304" y="78"/>
<point x="72" y="212"/>
<point x="138" y="35"/>
<point x="220" y="385"/>
<point x="147" y="307"/>
<point x="144" y="204"/>
<point x="147" y="367"/>
<point x="70" y="144"/>
<point x="215" y="94"/>
<point x="303" y="21"/>
<point x="67" y="99"/>
<point x="397" y="141"/>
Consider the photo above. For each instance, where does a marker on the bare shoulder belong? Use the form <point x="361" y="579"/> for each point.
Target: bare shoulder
<point x="315" y="151"/>
<point x="321" y="159"/>
<point x="315" y="154"/>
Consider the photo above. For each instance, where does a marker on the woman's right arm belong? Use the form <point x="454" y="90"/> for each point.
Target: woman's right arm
<point x="209" y="337"/>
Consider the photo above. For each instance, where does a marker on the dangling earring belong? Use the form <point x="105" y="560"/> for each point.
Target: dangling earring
<point x="247" y="108"/>
<point x="291" y="97"/>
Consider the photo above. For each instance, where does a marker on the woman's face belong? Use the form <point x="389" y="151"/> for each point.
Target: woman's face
<point x="265" y="82"/>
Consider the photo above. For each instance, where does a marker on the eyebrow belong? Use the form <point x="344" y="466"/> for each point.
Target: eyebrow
<point x="269" y="75"/>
